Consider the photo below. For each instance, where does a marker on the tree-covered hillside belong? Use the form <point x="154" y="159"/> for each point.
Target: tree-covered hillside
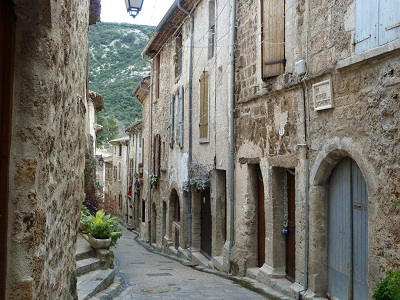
<point x="115" y="69"/>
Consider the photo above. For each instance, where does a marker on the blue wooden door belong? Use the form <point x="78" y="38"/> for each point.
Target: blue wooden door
<point x="348" y="233"/>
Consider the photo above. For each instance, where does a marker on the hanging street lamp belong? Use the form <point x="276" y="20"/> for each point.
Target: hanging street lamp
<point x="101" y="161"/>
<point x="133" y="7"/>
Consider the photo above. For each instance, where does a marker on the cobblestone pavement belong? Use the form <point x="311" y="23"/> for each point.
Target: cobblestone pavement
<point x="143" y="274"/>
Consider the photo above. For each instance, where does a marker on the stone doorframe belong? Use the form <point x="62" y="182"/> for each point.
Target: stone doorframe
<point x="275" y="197"/>
<point x="332" y="152"/>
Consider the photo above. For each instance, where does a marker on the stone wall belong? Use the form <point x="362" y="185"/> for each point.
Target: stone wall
<point x="363" y="124"/>
<point x="48" y="145"/>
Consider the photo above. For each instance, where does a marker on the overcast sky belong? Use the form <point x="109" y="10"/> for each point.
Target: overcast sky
<point x="151" y="14"/>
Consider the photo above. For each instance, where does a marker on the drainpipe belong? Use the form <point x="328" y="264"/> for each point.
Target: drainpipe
<point x="190" y="86"/>
<point x="304" y="154"/>
<point x="232" y="134"/>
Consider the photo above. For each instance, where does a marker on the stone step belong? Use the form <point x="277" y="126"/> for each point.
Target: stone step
<point x="93" y="282"/>
<point x="86" y="265"/>
<point x="83" y="249"/>
<point x="200" y="259"/>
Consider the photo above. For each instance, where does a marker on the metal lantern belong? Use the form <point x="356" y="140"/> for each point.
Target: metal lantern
<point x="133" y="7"/>
<point x="101" y="161"/>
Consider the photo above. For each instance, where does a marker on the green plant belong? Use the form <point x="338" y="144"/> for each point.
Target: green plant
<point x="200" y="183"/>
<point x="85" y="215"/>
<point x="389" y="287"/>
<point x="102" y="226"/>
<point x="153" y="181"/>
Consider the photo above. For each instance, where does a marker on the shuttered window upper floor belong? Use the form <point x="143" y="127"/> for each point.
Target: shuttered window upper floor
<point x="377" y="23"/>
<point x="204" y="116"/>
<point x="273" y="38"/>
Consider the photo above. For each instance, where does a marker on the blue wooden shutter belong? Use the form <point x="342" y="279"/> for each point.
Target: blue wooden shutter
<point x="367" y="18"/>
<point x="171" y="120"/>
<point x="389" y="21"/>
<point x="180" y="117"/>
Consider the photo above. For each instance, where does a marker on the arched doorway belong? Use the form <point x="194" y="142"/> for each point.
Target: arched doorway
<point x="347" y="232"/>
<point x="7" y="22"/>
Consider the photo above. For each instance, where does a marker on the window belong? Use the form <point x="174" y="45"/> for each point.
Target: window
<point x="157" y="75"/>
<point x="119" y="171"/>
<point x="120" y="150"/>
<point x="115" y="172"/>
<point x="131" y="171"/>
<point x="377" y="23"/>
<point x="211" y="30"/>
<point x="178" y="55"/>
<point x="273" y="38"/>
<point x="180" y="117"/>
<point x="171" y="120"/>
<point x="203" y="125"/>
<point x="120" y="201"/>
<point x="157" y="155"/>
<point x="143" y="211"/>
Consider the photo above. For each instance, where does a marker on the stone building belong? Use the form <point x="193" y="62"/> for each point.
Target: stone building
<point x="135" y="173"/>
<point x="187" y="131"/>
<point x="43" y="99"/>
<point x="95" y="103"/>
<point x="118" y="188"/>
<point x="317" y="145"/>
<point x="314" y="204"/>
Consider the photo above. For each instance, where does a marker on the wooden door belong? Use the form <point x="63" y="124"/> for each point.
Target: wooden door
<point x="348" y="232"/>
<point x="291" y="235"/>
<point x="261" y="224"/>
<point x="206" y="238"/>
<point x="7" y="21"/>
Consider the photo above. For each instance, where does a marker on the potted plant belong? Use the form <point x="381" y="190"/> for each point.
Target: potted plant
<point x="104" y="230"/>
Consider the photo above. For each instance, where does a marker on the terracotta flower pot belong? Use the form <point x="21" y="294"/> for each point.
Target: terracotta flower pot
<point x="99" y="243"/>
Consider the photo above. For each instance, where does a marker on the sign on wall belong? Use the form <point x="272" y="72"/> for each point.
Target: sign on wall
<point x="322" y="95"/>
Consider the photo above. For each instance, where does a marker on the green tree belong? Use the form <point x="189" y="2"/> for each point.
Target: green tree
<point x="110" y="129"/>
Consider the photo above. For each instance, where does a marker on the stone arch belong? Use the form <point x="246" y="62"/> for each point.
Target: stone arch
<point x="333" y="151"/>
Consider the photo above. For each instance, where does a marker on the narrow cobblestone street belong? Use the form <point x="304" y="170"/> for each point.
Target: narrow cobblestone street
<point x="142" y="274"/>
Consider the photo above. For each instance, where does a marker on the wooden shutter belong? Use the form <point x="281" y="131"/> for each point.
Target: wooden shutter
<point x="203" y="125"/>
<point x="154" y="154"/>
<point x="389" y="21"/>
<point x="157" y="155"/>
<point x="157" y="83"/>
<point x="171" y="120"/>
<point x="367" y="14"/>
<point x="180" y="117"/>
<point x="211" y="28"/>
<point x="273" y="43"/>
<point x="178" y="53"/>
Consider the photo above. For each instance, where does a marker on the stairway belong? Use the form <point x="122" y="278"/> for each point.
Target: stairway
<point x="93" y="274"/>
